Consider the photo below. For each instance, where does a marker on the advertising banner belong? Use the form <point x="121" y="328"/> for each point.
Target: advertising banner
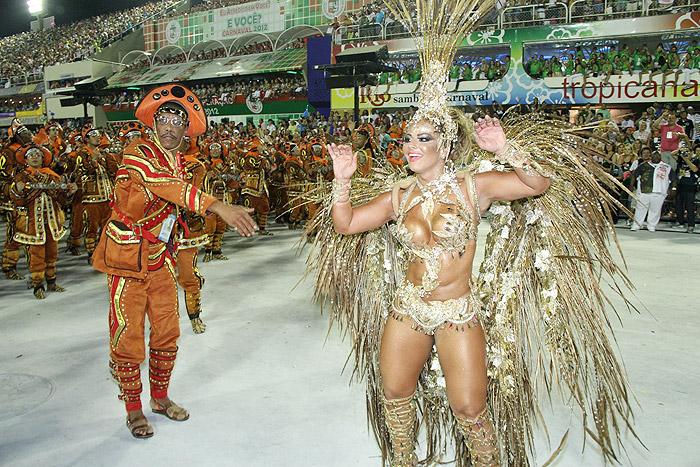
<point x="264" y="16"/>
<point x="519" y="87"/>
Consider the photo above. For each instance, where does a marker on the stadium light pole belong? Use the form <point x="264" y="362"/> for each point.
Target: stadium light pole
<point x="36" y="8"/>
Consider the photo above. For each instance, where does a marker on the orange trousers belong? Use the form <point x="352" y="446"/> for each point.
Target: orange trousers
<point x="42" y="260"/>
<point x="97" y="216"/>
<point x="76" y="221"/>
<point x="131" y="300"/>
<point x="188" y="275"/>
<point x="261" y="205"/>
<point x="10" y="254"/>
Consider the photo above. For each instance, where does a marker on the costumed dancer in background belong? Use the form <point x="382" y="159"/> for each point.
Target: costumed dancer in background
<point x="95" y="172"/>
<point x="394" y="155"/>
<point x="51" y="137"/>
<point x="254" y="166"/>
<point x="364" y="146"/>
<point x="399" y="278"/>
<point x="279" y="201"/>
<point x="77" y="209"/>
<point x="18" y="135"/>
<point x="137" y="250"/>
<point x="189" y="277"/>
<point x="216" y="185"/>
<point x="295" y="178"/>
<point x="39" y="195"/>
<point x="128" y="133"/>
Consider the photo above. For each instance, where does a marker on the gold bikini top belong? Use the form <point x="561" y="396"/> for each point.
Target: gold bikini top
<point x="459" y="229"/>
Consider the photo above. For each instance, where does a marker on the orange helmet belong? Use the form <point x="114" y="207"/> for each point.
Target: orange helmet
<point x="53" y="124"/>
<point x="132" y="127"/>
<point x="20" y="155"/>
<point x="149" y="105"/>
<point x="75" y="136"/>
<point x="87" y="128"/>
<point x="15" y="127"/>
<point x="207" y="149"/>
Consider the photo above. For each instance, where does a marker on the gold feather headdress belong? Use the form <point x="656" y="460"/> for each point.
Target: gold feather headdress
<point x="438" y="27"/>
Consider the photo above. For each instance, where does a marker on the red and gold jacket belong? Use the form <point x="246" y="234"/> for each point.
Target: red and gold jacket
<point x="149" y="189"/>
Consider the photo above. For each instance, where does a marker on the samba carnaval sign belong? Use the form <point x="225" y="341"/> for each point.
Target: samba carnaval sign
<point x="406" y="95"/>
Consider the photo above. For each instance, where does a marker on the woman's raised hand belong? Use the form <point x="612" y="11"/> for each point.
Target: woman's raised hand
<point x="344" y="161"/>
<point x="489" y="135"/>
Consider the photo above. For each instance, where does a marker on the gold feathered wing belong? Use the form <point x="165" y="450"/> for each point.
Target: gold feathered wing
<point x="543" y="280"/>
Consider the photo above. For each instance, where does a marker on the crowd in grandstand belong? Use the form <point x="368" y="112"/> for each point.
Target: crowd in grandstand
<point x="292" y="87"/>
<point x="214" y="4"/>
<point x="29" y="52"/>
<point x="606" y="61"/>
<point x="20" y="104"/>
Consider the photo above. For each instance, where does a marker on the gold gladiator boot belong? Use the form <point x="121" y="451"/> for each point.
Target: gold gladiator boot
<point x="194" y="308"/>
<point x="400" y="418"/>
<point x="480" y="438"/>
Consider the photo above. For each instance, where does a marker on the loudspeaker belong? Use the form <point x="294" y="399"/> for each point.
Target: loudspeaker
<point x="70" y="102"/>
<point x="91" y="84"/>
<point x="372" y="53"/>
<point x="346" y="81"/>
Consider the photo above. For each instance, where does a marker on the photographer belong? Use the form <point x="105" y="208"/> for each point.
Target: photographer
<point x="685" y="186"/>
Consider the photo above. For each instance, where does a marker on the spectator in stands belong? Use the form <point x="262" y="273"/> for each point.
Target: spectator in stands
<point x="694" y="135"/>
<point x="671" y="133"/>
<point x="643" y="134"/>
<point x="535" y="66"/>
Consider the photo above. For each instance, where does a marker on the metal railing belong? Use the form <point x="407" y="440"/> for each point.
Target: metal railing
<point x="22" y="80"/>
<point x="539" y="14"/>
<point x="543" y="14"/>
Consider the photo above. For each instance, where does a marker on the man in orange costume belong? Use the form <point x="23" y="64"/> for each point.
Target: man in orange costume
<point x="394" y="154"/>
<point x="128" y="133"/>
<point x="138" y="246"/>
<point x="51" y="137"/>
<point x="296" y="180"/>
<point x="39" y="196"/>
<point x="254" y="167"/>
<point x="363" y="144"/>
<point x="95" y="171"/>
<point x="216" y="184"/>
<point x="318" y="166"/>
<point x="77" y="209"/>
<point x="18" y="136"/>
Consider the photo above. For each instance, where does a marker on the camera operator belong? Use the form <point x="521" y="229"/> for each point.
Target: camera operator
<point x="685" y="186"/>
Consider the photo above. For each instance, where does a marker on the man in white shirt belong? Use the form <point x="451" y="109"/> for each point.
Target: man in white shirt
<point x="653" y="180"/>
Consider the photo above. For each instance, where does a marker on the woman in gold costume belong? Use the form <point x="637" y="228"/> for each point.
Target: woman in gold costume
<point x="435" y="217"/>
<point x="393" y="260"/>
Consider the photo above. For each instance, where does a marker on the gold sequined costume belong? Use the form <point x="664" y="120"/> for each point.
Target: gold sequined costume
<point x="539" y="295"/>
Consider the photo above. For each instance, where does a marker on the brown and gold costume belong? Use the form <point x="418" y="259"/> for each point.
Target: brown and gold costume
<point x="94" y="172"/>
<point x="39" y="221"/>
